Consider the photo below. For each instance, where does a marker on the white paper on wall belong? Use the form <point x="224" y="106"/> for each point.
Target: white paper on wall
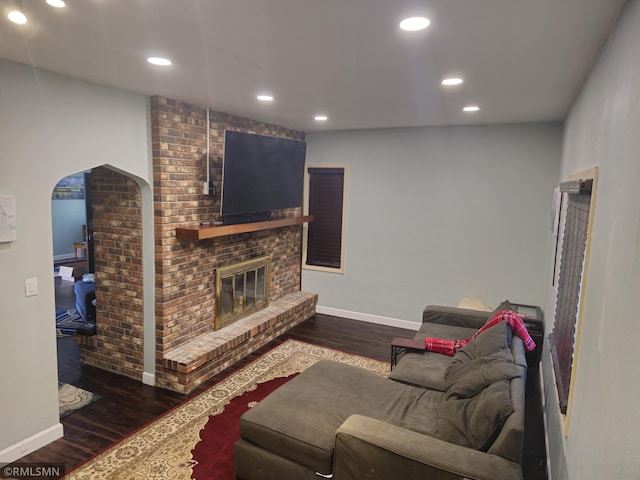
<point x="7" y="218"/>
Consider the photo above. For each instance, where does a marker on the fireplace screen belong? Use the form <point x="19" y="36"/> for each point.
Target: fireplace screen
<point x="241" y="289"/>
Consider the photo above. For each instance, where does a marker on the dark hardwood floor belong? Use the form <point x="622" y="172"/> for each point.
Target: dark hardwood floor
<point x="127" y="404"/>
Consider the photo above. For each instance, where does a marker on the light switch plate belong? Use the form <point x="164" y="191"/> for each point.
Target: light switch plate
<point x="31" y="286"/>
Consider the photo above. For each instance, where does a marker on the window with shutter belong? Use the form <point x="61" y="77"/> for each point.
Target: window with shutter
<point x="571" y="282"/>
<point x="324" y="241"/>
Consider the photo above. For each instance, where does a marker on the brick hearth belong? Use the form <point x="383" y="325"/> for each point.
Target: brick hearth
<point x="208" y="354"/>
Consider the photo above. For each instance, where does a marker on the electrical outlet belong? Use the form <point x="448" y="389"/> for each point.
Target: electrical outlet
<point x="31" y="287"/>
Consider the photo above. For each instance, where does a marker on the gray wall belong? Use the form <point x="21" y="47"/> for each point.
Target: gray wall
<point x="68" y="216"/>
<point x="438" y="214"/>
<point x="602" y="130"/>
<point x="424" y="211"/>
<point x="50" y="126"/>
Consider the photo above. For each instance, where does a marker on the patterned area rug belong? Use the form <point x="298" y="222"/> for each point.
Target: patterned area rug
<point x="72" y="398"/>
<point x="163" y="449"/>
<point x="67" y="321"/>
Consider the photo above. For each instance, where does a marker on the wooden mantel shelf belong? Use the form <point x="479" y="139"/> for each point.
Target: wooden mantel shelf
<point x="201" y="233"/>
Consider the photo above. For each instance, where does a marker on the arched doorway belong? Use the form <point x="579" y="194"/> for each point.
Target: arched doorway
<point x="122" y="257"/>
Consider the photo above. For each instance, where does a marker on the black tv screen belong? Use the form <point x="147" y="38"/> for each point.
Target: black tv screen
<point x="261" y="173"/>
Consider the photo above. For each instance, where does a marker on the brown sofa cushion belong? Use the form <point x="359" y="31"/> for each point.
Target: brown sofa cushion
<point x="492" y="340"/>
<point x="442" y="330"/>
<point x="465" y="380"/>
<point x="299" y="420"/>
<point x="504" y="305"/>
<point x="423" y="369"/>
<point x="426" y="369"/>
<point x="475" y="422"/>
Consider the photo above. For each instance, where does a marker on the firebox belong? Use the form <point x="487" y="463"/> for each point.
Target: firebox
<point x="241" y="289"/>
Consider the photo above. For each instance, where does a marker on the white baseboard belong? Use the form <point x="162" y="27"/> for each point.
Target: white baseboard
<point x="544" y="421"/>
<point x="367" y="317"/>
<point x="64" y="256"/>
<point x="149" y="379"/>
<point x="31" y="444"/>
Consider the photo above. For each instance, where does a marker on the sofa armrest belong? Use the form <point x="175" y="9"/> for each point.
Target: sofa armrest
<point x="462" y="317"/>
<point x="369" y="448"/>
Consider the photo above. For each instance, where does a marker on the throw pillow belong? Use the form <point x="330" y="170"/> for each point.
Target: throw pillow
<point x="504" y="305"/>
<point x="516" y="323"/>
<point x="490" y="341"/>
<point x="475" y="422"/>
<point x="473" y="304"/>
<point x="465" y="380"/>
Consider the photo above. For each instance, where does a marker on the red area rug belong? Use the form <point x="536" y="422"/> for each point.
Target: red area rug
<point x="195" y="440"/>
<point x="213" y="455"/>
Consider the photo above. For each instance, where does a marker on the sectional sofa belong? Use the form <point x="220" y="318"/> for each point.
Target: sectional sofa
<point x="435" y="417"/>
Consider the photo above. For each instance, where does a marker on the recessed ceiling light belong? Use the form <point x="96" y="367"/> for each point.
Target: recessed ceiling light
<point x="159" y="61"/>
<point x="56" y="3"/>
<point x="414" y="24"/>
<point x="265" y="98"/>
<point x="321" y="118"/>
<point x="452" y="81"/>
<point x="16" y="15"/>
<point x="471" y="108"/>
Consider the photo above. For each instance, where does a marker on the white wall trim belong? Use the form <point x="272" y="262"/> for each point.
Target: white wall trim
<point x="367" y="317"/>
<point x="544" y="422"/>
<point x="31" y="444"/>
<point x="149" y="378"/>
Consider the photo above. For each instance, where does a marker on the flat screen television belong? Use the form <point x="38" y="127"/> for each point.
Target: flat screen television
<point x="260" y="174"/>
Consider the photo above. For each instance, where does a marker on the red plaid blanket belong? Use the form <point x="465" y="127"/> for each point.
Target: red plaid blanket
<point x="450" y="347"/>
<point x="441" y="345"/>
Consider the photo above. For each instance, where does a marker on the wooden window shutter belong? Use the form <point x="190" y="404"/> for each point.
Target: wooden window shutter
<point x="324" y="242"/>
<point x="562" y="339"/>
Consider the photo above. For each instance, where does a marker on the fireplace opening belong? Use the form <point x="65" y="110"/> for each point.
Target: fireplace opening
<point x="241" y="289"/>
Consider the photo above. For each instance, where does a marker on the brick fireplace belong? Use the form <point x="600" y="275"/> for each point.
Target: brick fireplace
<point x="186" y="301"/>
<point x="188" y="349"/>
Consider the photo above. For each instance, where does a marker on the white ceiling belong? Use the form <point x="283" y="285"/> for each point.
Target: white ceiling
<point x="522" y="60"/>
